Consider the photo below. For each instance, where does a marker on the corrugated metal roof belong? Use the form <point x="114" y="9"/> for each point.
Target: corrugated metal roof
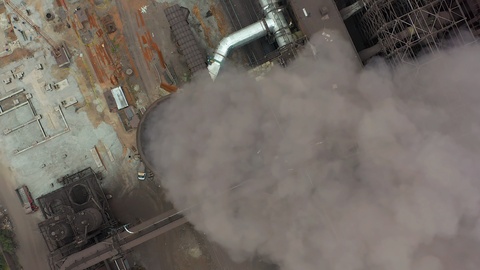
<point x="119" y="97"/>
<point x="183" y="35"/>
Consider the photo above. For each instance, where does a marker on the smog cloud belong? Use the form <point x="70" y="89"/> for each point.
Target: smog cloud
<point x="322" y="165"/>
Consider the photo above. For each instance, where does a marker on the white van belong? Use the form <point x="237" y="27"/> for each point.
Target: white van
<point x="141" y="171"/>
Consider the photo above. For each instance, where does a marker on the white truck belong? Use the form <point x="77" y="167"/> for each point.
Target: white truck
<point x="26" y="199"/>
<point x="141" y="171"/>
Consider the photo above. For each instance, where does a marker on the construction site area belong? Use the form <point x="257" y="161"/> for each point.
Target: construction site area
<point x="82" y="80"/>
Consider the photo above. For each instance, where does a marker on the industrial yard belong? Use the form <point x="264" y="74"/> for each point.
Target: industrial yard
<point x="76" y="78"/>
<point x="83" y="84"/>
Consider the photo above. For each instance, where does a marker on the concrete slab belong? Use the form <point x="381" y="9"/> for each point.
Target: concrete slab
<point x="16" y="117"/>
<point x="90" y="125"/>
<point x="68" y="153"/>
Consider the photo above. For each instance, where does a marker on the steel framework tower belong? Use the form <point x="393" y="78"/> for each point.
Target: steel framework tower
<point x="401" y="30"/>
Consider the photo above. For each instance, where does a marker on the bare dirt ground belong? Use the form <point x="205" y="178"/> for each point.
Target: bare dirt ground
<point x="32" y="251"/>
<point x="134" y="201"/>
<point x="16" y="55"/>
<point x="91" y="124"/>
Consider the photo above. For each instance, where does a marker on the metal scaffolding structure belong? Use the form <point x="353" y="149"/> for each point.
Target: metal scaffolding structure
<point x="402" y="30"/>
<point x="76" y="216"/>
<point x="117" y="245"/>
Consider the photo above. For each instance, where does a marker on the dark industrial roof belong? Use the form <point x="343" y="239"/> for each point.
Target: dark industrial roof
<point x="62" y="56"/>
<point x="184" y="38"/>
<point x="320" y="15"/>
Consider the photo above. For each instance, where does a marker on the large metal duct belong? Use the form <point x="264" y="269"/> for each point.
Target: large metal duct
<point x="274" y="23"/>
<point x="280" y="29"/>
<point x="235" y="40"/>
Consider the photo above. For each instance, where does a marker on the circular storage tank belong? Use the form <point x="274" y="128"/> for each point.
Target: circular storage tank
<point x="90" y="218"/>
<point x="79" y="194"/>
<point x="59" y="231"/>
<point x="49" y="16"/>
<point x="151" y="115"/>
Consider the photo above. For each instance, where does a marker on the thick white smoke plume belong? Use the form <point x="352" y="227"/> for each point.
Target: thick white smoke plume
<point x="325" y="166"/>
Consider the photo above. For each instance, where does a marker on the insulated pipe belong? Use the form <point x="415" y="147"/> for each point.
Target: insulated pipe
<point x="281" y="31"/>
<point x="274" y="23"/>
<point x="238" y="39"/>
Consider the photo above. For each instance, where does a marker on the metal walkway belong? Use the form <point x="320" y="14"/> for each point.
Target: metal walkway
<point x="122" y="242"/>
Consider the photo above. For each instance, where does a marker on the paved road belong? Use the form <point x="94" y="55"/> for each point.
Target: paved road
<point x="32" y="251"/>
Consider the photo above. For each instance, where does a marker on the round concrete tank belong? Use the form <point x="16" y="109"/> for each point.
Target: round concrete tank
<point x="79" y="194"/>
<point x="143" y="140"/>
<point x="59" y="231"/>
<point x="90" y="218"/>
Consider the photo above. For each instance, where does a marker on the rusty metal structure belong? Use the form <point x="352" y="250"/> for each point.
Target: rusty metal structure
<point x="79" y="229"/>
<point x="76" y="215"/>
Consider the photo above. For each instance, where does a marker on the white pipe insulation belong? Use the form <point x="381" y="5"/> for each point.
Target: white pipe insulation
<point x="274" y="23"/>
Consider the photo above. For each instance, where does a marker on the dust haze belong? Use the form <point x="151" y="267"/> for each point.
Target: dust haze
<point x="322" y="165"/>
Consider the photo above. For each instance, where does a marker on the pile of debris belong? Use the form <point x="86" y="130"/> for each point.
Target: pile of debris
<point x="5" y="223"/>
<point x="8" y="259"/>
